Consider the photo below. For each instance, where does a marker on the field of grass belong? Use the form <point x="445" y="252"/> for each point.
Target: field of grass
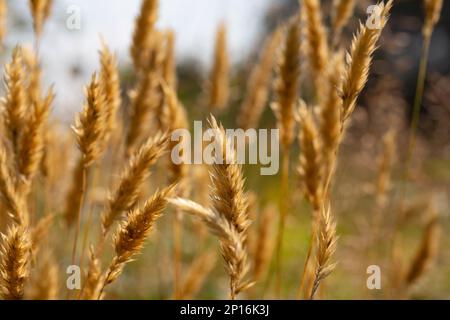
<point x="101" y="209"/>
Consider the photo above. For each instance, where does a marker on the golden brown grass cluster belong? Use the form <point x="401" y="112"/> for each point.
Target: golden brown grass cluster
<point x="68" y="193"/>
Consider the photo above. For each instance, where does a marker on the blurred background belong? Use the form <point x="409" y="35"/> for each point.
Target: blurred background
<point x="70" y="56"/>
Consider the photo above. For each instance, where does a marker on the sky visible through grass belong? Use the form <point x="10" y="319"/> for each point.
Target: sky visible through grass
<point x="193" y="21"/>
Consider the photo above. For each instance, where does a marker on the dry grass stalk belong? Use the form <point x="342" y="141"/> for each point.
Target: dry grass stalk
<point x="74" y="197"/>
<point x="143" y="32"/>
<point x="131" y="234"/>
<point x="258" y="84"/>
<point x="218" y="93"/>
<point x="172" y="116"/>
<point x="286" y="87"/>
<point x="227" y="195"/>
<point x="342" y="11"/>
<point x="359" y="59"/>
<point x="33" y="74"/>
<point x="3" y="13"/>
<point x="385" y="167"/>
<point x="310" y="170"/>
<point x="310" y="166"/>
<point x="92" y="283"/>
<point x="15" y="103"/>
<point x="169" y="66"/>
<point x="427" y="250"/>
<point x="32" y="142"/>
<point x="230" y="201"/>
<point x="317" y="42"/>
<point x="44" y="281"/>
<point x="90" y="126"/>
<point x="90" y="130"/>
<point x="432" y="14"/>
<point x="12" y="200"/>
<point x="15" y="262"/>
<point x="40" y="11"/>
<point x="91" y="134"/>
<point x="142" y="98"/>
<point x="110" y="86"/>
<point x="330" y="113"/>
<point x="228" y="219"/>
<point x="231" y="242"/>
<point x="326" y="247"/>
<point x="155" y="61"/>
<point x="197" y="274"/>
<point x="287" y="84"/>
<point x="137" y="171"/>
<point x="308" y="273"/>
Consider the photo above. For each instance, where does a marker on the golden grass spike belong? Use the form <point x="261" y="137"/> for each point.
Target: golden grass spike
<point x="14" y="104"/>
<point x="173" y="116"/>
<point x="47" y="9"/>
<point x="131" y="234"/>
<point x="286" y="85"/>
<point x="219" y="77"/>
<point x="427" y="250"/>
<point x="12" y="200"/>
<point x="90" y="130"/>
<point x="141" y="100"/>
<point x="169" y="66"/>
<point x="171" y="113"/>
<point x="40" y="11"/>
<point x="33" y="76"/>
<point x="15" y="262"/>
<point x="227" y="195"/>
<point x="110" y="86"/>
<point x="157" y="55"/>
<point x="359" y="59"/>
<point x="132" y="178"/>
<point x="342" y="12"/>
<point x="432" y="14"/>
<point x="3" y="13"/>
<point x="258" y="84"/>
<point x="75" y="194"/>
<point x="228" y="219"/>
<point x="91" y="288"/>
<point x="90" y="126"/>
<point x="232" y="242"/>
<point x="230" y="201"/>
<point x="326" y="247"/>
<point x="143" y="32"/>
<point x="330" y="113"/>
<point x="317" y="42"/>
<point x="310" y="166"/>
<point x="33" y="139"/>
